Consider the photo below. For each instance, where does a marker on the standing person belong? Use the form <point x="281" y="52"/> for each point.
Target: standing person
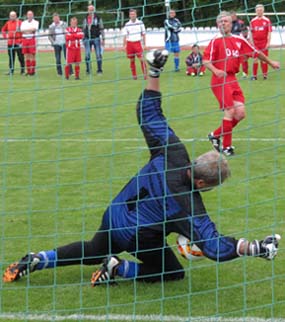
<point x="29" y="28"/>
<point x="11" y="32"/>
<point x="194" y="62"/>
<point x="134" y="42"/>
<point x="260" y="28"/>
<point x="57" y="39"/>
<point x="93" y="29"/>
<point x="172" y="27"/>
<point x="239" y="28"/>
<point x="163" y="197"/>
<point x="222" y="57"/>
<point x="73" y="49"/>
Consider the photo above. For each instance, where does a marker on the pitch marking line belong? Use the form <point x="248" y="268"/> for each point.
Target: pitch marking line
<point x="16" y="140"/>
<point x="125" y="317"/>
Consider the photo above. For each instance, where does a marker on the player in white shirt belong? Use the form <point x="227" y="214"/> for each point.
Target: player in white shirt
<point x="134" y="41"/>
<point x="29" y="27"/>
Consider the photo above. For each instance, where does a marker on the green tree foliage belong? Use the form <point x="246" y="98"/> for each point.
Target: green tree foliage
<point x="192" y="13"/>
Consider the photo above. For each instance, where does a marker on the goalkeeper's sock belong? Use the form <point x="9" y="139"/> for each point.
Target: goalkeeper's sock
<point x="128" y="269"/>
<point x="47" y="259"/>
<point x="176" y="63"/>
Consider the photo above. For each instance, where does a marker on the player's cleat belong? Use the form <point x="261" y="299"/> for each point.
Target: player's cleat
<point x="253" y="78"/>
<point x="201" y="74"/>
<point x="215" y="141"/>
<point x="25" y="266"/>
<point x="77" y="78"/>
<point x="264" y="77"/>
<point x="193" y="74"/>
<point x="156" y="59"/>
<point x="229" y="151"/>
<point x="244" y="75"/>
<point x="106" y="273"/>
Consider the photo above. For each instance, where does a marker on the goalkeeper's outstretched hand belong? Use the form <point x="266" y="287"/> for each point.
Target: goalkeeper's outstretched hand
<point x="156" y="59"/>
<point x="269" y="246"/>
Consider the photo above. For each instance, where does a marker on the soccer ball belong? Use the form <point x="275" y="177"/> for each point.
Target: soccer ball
<point x="188" y="250"/>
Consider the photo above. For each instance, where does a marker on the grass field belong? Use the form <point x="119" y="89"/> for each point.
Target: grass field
<point x="68" y="147"/>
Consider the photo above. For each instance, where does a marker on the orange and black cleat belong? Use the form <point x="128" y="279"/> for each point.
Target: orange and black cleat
<point x="19" y="269"/>
<point x="106" y="273"/>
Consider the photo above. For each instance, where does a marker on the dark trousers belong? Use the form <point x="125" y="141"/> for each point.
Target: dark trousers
<point x="88" y="44"/>
<point x="12" y="51"/>
<point x="58" y="51"/>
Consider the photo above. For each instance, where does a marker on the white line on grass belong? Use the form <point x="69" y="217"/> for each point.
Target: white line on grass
<point x="16" y="140"/>
<point x="128" y="317"/>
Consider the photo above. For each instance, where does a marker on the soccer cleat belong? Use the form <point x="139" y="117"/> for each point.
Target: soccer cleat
<point x="156" y="59"/>
<point x="264" y="77"/>
<point x="215" y="141"/>
<point x="107" y="271"/>
<point x="19" y="269"/>
<point x="253" y="78"/>
<point x="201" y="74"/>
<point x="244" y="75"/>
<point x="229" y="151"/>
<point x="77" y="78"/>
<point x="193" y="74"/>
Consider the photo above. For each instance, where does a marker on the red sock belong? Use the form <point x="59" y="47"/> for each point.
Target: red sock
<point x="234" y="122"/>
<point x="66" y="70"/>
<point x="133" y="67"/>
<point x="77" y="71"/>
<point x="227" y="133"/>
<point x="245" y="67"/>
<point x="143" y="67"/>
<point x="28" y="66"/>
<point x="255" y="68"/>
<point x="33" y="66"/>
<point x="264" y="68"/>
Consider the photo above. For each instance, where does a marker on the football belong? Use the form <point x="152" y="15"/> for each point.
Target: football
<point x="188" y="250"/>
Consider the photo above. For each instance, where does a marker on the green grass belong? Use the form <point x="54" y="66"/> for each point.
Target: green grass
<point x="63" y="158"/>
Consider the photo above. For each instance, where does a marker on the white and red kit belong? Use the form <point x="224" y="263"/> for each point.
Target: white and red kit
<point x="134" y="32"/>
<point x="260" y="28"/>
<point x="226" y="53"/>
<point x="29" y="38"/>
<point x="73" y="49"/>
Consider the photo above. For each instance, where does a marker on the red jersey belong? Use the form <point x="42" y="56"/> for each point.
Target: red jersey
<point x="260" y="28"/>
<point x="11" y="31"/>
<point x="73" y="37"/>
<point x="226" y="53"/>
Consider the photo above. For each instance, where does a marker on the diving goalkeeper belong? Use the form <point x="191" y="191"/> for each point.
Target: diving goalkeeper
<point x="163" y="197"/>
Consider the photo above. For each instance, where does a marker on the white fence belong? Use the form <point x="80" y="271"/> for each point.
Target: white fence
<point x="155" y="38"/>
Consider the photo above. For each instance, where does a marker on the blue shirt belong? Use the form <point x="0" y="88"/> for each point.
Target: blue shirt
<point x="161" y="197"/>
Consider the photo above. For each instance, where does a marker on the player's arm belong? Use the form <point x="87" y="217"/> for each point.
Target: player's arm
<point x="272" y="63"/>
<point x="218" y="72"/>
<point x="4" y="30"/>
<point x="149" y="112"/>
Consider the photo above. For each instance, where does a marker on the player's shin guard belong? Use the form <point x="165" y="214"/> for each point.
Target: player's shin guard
<point x="264" y="68"/>
<point x="245" y="67"/>
<point x="255" y="68"/>
<point x="133" y="67"/>
<point x="28" y="66"/>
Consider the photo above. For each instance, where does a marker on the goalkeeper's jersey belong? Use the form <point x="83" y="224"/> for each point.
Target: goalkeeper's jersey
<point x="161" y="197"/>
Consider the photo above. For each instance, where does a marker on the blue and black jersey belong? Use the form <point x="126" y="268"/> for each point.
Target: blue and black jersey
<point x="172" y="28"/>
<point x="161" y="198"/>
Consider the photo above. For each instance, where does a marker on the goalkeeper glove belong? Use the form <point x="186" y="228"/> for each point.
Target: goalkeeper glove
<point x="156" y="60"/>
<point x="266" y="248"/>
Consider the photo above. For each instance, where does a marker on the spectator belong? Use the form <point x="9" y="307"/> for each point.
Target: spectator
<point x="261" y="29"/>
<point x="93" y="29"/>
<point x="11" y="32"/>
<point x="172" y="27"/>
<point x="29" y="28"/>
<point x="57" y="39"/>
<point x="73" y="48"/>
<point x="194" y="62"/>
<point x="134" y="41"/>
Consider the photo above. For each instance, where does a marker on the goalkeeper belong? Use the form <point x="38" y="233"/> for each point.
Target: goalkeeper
<point x="163" y="197"/>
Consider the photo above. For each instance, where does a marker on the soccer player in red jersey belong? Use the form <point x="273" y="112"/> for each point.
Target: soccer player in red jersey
<point x="261" y="29"/>
<point x="222" y="57"/>
<point x="134" y="40"/>
<point x="29" y="27"/>
<point x="11" y="32"/>
<point x="73" y="49"/>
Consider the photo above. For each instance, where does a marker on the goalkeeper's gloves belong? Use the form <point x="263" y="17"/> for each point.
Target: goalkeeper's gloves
<point x="266" y="248"/>
<point x="156" y="59"/>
